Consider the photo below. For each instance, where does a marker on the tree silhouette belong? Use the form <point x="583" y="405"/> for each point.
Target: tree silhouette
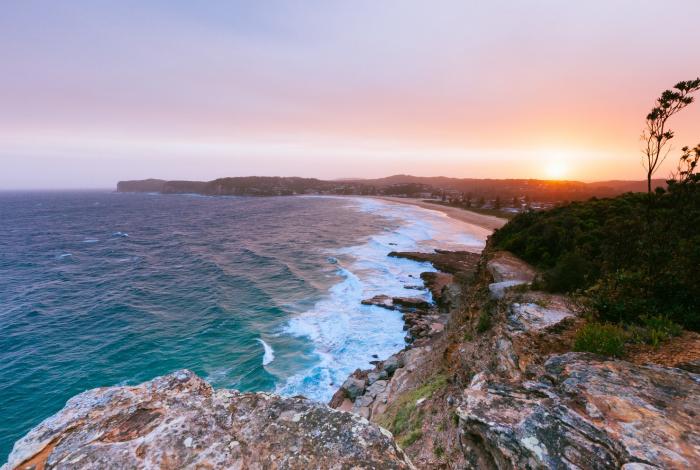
<point x="685" y="173"/>
<point x="656" y="136"/>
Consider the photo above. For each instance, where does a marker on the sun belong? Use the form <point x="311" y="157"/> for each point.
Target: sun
<point x="556" y="169"/>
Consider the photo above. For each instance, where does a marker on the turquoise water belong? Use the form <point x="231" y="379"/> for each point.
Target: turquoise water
<point x="99" y="288"/>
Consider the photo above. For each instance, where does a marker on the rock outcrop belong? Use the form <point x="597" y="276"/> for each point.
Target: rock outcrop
<point x="585" y="411"/>
<point x="508" y="271"/>
<point x="457" y="263"/>
<point x="179" y="421"/>
<point x="397" y="303"/>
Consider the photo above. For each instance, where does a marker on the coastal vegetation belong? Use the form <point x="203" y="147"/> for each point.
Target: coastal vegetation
<point x="404" y="418"/>
<point x="634" y="257"/>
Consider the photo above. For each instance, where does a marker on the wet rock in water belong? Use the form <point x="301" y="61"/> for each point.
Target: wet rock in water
<point x="460" y="263"/>
<point x="381" y="300"/>
<point x="179" y="421"/>
<point x="397" y="303"/>
<point x="437" y="283"/>
<point x="413" y="303"/>
<point x="585" y="412"/>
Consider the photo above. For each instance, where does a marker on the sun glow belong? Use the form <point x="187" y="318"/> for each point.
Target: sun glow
<point x="556" y="169"/>
<point x="556" y="163"/>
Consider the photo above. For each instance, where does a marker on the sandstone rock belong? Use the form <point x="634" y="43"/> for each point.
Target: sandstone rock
<point x="179" y="421"/>
<point x="392" y="363"/>
<point x="533" y="317"/>
<point x="381" y="300"/>
<point x="437" y="283"/>
<point x="410" y="303"/>
<point x="585" y="412"/>
<point x="498" y="290"/>
<point x="353" y="387"/>
<point x="459" y="263"/>
<point x="504" y="266"/>
<point x="691" y="366"/>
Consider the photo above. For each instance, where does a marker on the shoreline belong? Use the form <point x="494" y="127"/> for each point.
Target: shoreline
<point x="486" y="222"/>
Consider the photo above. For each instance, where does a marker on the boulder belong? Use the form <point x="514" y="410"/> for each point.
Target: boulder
<point x="503" y="266"/>
<point x="497" y="290"/>
<point x="392" y="363"/>
<point x="529" y="317"/>
<point x="353" y="387"/>
<point x="415" y="303"/>
<point x="381" y="300"/>
<point x="179" y="421"/>
<point x="585" y="412"/>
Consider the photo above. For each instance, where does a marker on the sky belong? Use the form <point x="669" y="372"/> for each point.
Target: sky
<point x="92" y="92"/>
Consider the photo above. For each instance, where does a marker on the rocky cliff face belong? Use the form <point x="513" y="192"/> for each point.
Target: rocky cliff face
<point x="486" y="381"/>
<point x="521" y="400"/>
<point x="584" y="411"/>
<point x="179" y="421"/>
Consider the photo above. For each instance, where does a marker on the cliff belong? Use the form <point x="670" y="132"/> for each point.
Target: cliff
<point x="141" y="186"/>
<point x="498" y="386"/>
<point x="179" y="421"/>
<point x="487" y="380"/>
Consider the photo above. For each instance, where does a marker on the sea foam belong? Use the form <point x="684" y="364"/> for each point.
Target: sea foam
<point x="269" y="354"/>
<point x="346" y="334"/>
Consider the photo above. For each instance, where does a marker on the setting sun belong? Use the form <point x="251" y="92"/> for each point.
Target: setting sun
<point x="556" y="170"/>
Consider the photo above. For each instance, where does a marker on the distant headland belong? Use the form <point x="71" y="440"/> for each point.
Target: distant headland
<point x="487" y="190"/>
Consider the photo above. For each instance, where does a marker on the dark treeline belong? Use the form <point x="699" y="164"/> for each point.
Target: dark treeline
<point x="635" y="256"/>
<point x="452" y="189"/>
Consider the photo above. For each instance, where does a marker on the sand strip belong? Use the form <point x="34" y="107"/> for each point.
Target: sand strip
<point x="488" y="222"/>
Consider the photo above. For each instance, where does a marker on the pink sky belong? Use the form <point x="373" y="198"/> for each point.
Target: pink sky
<point x="94" y="94"/>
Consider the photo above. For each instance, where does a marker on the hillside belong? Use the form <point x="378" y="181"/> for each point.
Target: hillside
<point x="547" y="191"/>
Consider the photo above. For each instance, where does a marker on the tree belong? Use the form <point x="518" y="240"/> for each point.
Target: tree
<point x="656" y="136"/>
<point x="685" y="173"/>
<point x="516" y="202"/>
<point x="497" y="203"/>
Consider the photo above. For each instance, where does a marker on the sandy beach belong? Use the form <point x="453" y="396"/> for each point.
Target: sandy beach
<point x="487" y="222"/>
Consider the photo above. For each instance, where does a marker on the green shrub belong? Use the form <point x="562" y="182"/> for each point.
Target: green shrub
<point x="484" y="322"/>
<point x="639" y="254"/>
<point x="654" y="330"/>
<point x="601" y="338"/>
<point x="404" y="418"/>
<point x="619" y="297"/>
<point x="570" y="273"/>
<point x="439" y="451"/>
<point x="412" y="437"/>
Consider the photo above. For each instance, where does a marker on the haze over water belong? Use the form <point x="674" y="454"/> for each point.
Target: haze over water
<point x="101" y="288"/>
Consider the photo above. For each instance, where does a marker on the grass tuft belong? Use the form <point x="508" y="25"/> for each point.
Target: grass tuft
<point x="601" y="338"/>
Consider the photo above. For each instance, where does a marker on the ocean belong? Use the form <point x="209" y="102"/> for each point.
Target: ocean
<point x="257" y="294"/>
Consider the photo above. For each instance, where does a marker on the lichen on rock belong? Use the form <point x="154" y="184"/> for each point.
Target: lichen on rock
<point x="180" y="421"/>
<point x="585" y="412"/>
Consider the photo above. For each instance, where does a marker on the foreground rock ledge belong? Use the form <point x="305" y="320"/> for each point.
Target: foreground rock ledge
<point x="585" y="412"/>
<point x="179" y="421"/>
